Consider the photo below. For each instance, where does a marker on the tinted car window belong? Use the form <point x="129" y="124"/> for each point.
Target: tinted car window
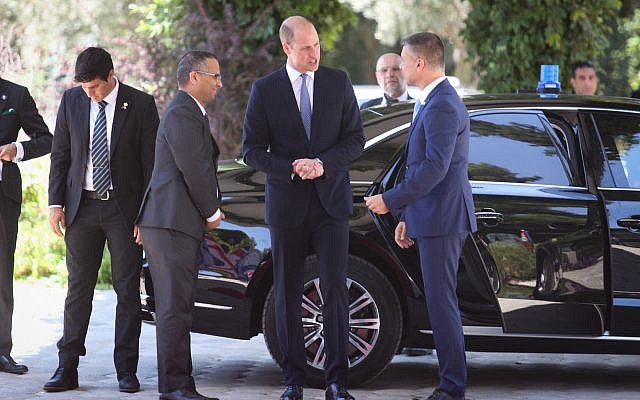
<point x="515" y="147"/>
<point x="620" y="134"/>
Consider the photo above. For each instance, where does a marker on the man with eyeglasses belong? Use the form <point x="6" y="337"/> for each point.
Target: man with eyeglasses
<point x="390" y="79"/>
<point x="181" y="202"/>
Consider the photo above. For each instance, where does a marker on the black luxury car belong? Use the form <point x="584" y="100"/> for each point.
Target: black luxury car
<point x="554" y="266"/>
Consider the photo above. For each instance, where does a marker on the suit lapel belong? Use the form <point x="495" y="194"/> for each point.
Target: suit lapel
<point x="83" y="105"/>
<point x="319" y="92"/>
<point x="289" y="99"/>
<point x="3" y="95"/>
<point x="421" y="111"/>
<point x="119" y="116"/>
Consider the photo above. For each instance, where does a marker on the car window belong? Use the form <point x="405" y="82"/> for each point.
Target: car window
<point x="620" y="135"/>
<point x="515" y="147"/>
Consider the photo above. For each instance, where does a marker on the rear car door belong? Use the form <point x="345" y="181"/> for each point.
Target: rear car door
<point x="615" y="141"/>
<point x="539" y="226"/>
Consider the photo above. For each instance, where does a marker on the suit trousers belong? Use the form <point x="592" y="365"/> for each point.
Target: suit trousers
<point x="98" y="221"/>
<point x="439" y="256"/>
<point x="329" y="239"/>
<point x="173" y="263"/>
<point x="9" y="213"/>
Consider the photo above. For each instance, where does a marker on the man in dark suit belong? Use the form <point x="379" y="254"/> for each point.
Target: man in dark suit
<point x="390" y="80"/>
<point x="101" y="161"/>
<point x="17" y="110"/>
<point x="434" y="200"/>
<point x="302" y="127"/>
<point x="181" y="202"/>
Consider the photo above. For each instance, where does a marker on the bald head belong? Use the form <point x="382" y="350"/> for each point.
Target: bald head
<point x="300" y="43"/>
<point x="389" y="75"/>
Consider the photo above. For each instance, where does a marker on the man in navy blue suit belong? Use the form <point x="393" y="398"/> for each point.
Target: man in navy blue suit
<point x="302" y="128"/>
<point x="434" y="201"/>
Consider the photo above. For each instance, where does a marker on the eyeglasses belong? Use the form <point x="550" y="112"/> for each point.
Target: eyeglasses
<point x="384" y="70"/>
<point x="215" y="76"/>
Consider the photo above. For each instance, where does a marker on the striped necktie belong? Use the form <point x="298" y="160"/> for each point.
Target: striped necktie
<point x="305" y="106"/>
<point x="100" y="153"/>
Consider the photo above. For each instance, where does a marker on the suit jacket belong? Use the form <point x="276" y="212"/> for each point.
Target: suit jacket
<point x="133" y="134"/>
<point x="274" y="136"/>
<point x="183" y="191"/>
<point x="435" y="196"/>
<point x="376" y="102"/>
<point x="18" y="110"/>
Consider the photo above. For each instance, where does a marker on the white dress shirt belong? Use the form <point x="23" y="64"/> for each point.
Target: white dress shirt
<point x="296" y="81"/>
<point x="215" y="215"/>
<point x="109" y="110"/>
<point x="427" y="90"/>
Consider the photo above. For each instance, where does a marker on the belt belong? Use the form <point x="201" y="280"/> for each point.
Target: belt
<point x="93" y="195"/>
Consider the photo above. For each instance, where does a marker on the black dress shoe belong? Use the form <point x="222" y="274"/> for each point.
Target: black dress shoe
<point x="442" y="395"/>
<point x="292" y="392"/>
<point x="128" y="383"/>
<point x="7" y="364"/>
<point x="337" y="392"/>
<point x="63" y="379"/>
<point x="185" y="394"/>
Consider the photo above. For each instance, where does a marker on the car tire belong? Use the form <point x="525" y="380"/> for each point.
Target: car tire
<point x="375" y="328"/>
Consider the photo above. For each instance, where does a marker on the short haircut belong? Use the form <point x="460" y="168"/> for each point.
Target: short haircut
<point x="582" y="64"/>
<point x="287" y="28"/>
<point x="92" y="63"/>
<point x="192" y="60"/>
<point x="428" y="46"/>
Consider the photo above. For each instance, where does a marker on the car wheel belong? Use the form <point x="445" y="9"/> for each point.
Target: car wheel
<point x="375" y="323"/>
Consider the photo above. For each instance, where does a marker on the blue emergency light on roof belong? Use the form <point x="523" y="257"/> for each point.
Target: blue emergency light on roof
<point x="549" y="86"/>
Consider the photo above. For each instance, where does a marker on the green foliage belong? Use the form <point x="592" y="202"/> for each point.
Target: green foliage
<point x="39" y="252"/>
<point x="244" y="36"/>
<point x="511" y="39"/>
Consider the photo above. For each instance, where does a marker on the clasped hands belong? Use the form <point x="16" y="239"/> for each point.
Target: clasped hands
<point x="307" y="168"/>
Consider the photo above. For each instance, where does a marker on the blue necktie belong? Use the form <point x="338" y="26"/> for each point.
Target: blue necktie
<point x="100" y="153"/>
<point x="305" y="106"/>
<point x="416" y="109"/>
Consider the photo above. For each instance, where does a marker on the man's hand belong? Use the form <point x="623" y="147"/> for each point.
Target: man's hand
<point x="214" y="224"/>
<point x="8" y="152"/>
<point x="307" y="168"/>
<point x="401" y="236"/>
<point x="137" y="235"/>
<point x="376" y="204"/>
<point x="57" y="221"/>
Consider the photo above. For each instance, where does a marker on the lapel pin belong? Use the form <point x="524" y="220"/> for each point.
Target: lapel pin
<point x="3" y="97"/>
<point x="125" y="105"/>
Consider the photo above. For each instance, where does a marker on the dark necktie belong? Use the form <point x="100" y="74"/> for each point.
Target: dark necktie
<point x="305" y="106"/>
<point x="390" y="100"/>
<point x="100" y="153"/>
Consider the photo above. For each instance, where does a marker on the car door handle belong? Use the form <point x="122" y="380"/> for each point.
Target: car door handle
<point x="632" y="223"/>
<point x="489" y="217"/>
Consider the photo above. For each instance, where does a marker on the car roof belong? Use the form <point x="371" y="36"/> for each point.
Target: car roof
<point x="483" y="101"/>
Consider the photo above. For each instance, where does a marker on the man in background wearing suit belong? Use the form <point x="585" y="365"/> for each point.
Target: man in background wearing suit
<point x="17" y="110"/>
<point x="391" y="81"/>
<point x="181" y="202"/>
<point x="435" y="202"/>
<point x="303" y="128"/>
<point x="101" y="161"/>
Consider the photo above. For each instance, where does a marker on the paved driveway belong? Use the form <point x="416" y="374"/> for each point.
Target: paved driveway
<point x="243" y="370"/>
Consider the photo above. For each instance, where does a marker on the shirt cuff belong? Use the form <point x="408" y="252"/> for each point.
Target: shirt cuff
<point x="55" y="206"/>
<point x="215" y="216"/>
<point x="19" y="152"/>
